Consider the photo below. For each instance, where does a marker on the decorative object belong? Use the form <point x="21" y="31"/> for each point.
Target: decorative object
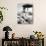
<point x="3" y="8"/>
<point x="1" y="15"/>
<point x="25" y="14"/>
<point x="39" y="34"/>
<point x="7" y="28"/>
<point x="13" y="36"/>
<point x="32" y="37"/>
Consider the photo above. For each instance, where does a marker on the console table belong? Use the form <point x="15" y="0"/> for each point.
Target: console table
<point x="23" y="42"/>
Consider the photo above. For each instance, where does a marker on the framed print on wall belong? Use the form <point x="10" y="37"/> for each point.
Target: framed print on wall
<point x="25" y="13"/>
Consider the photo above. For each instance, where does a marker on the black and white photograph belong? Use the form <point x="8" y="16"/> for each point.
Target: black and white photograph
<point x="24" y="13"/>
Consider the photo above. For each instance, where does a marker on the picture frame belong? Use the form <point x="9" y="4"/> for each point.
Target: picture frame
<point x="25" y="13"/>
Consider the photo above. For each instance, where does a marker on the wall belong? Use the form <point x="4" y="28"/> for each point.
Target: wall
<point x="39" y="18"/>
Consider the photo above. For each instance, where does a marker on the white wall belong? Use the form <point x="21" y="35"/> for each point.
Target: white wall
<point x="39" y="18"/>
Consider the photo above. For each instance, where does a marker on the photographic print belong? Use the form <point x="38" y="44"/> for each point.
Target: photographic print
<point x="24" y="13"/>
